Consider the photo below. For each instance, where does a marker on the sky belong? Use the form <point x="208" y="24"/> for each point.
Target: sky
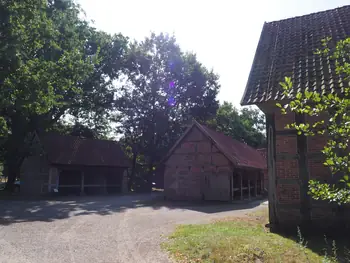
<point x="223" y="33"/>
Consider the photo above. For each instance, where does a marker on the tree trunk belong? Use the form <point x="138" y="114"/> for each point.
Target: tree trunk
<point x="149" y="178"/>
<point x="133" y="171"/>
<point x="11" y="171"/>
<point x="13" y="159"/>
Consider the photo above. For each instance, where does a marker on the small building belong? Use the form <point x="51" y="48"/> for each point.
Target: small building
<point x="207" y="165"/>
<point x="73" y="165"/>
<point x="287" y="48"/>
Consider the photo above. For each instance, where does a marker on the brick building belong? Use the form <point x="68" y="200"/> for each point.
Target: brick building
<point x="73" y="165"/>
<point x="207" y="165"/>
<point x="286" y="48"/>
<point x="263" y="152"/>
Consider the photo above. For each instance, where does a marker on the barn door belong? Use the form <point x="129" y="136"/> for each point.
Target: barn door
<point x="217" y="187"/>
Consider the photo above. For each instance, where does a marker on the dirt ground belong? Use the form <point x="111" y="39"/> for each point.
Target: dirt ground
<point x="99" y="229"/>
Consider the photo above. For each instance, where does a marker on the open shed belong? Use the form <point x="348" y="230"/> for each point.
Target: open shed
<point x="74" y="165"/>
<point x="207" y="165"/>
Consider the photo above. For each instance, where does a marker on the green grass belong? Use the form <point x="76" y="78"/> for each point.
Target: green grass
<point x="242" y="239"/>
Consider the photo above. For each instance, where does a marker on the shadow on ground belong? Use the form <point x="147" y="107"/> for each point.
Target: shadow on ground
<point x="333" y="246"/>
<point x="17" y="211"/>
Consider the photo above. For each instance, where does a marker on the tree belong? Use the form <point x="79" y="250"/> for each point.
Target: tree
<point x="50" y="66"/>
<point x="164" y="89"/>
<point x="245" y="125"/>
<point x="335" y="104"/>
<point x="76" y="129"/>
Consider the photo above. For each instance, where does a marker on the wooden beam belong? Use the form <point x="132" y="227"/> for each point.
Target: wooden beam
<point x="305" y="200"/>
<point x="50" y="178"/>
<point x="88" y="185"/>
<point x="271" y="153"/>
<point x="248" y="188"/>
<point x="240" y="175"/>
<point x="256" y="184"/>
<point x="82" y="183"/>
<point x="232" y="191"/>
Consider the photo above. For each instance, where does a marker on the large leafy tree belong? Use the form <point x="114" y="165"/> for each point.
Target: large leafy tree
<point x="52" y="63"/>
<point x="246" y="125"/>
<point x="164" y="89"/>
<point x="333" y="108"/>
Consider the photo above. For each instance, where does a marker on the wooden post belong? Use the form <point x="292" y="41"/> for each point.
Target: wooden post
<point x="232" y="189"/>
<point x="256" y="184"/>
<point x="124" y="182"/>
<point x="248" y="188"/>
<point x="240" y="174"/>
<point x="49" y="182"/>
<point x="105" y="184"/>
<point x="58" y="179"/>
<point x="82" y="184"/>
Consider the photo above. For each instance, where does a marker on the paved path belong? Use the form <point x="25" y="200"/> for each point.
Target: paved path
<point x="97" y="229"/>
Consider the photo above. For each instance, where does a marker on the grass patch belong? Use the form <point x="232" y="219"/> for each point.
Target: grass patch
<point x="243" y="239"/>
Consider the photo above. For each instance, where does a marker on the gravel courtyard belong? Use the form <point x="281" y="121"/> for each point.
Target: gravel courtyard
<point x="98" y="229"/>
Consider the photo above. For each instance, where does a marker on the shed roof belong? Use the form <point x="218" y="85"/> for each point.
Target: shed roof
<point x="240" y="154"/>
<point x="74" y="150"/>
<point x="286" y="48"/>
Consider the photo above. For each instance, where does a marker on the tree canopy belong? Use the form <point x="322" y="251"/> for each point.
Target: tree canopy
<point x="164" y="89"/>
<point x="246" y="125"/>
<point x="333" y="108"/>
<point x="52" y="63"/>
<point x="59" y="73"/>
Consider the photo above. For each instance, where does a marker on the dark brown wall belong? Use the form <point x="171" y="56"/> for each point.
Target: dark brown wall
<point x="197" y="170"/>
<point x="35" y="171"/>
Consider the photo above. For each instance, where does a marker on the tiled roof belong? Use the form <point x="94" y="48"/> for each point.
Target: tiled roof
<point x="73" y="150"/>
<point x="240" y="154"/>
<point x="286" y="48"/>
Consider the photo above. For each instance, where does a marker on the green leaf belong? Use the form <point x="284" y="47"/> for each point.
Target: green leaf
<point x="329" y="162"/>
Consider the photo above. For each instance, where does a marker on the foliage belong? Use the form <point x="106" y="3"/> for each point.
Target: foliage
<point x="164" y="89"/>
<point x="245" y="125"/>
<point x="76" y="129"/>
<point x="332" y="106"/>
<point x="52" y="63"/>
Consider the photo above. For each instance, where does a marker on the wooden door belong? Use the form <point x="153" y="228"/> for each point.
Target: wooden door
<point x="217" y="187"/>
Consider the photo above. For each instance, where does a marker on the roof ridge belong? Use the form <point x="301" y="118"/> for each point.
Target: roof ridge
<point x="309" y="14"/>
<point x="237" y="159"/>
<point x="74" y="136"/>
<point x="221" y="133"/>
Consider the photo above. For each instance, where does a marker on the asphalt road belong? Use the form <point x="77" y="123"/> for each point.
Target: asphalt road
<point x="98" y="229"/>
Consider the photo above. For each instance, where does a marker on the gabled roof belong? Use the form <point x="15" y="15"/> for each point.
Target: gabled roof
<point x="286" y="48"/>
<point x="73" y="150"/>
<point x="240" y="154"/>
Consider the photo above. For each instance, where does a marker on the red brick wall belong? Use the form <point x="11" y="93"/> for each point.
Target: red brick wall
<point x="288" y="193"/>
<point x="315" y="144"/>
<point x="287" y="169"/>
<point x="317" y="170"/>
<point x="286" y="144"/>
<point x="287" y="172"/>
<point x="281" y="120"/>
<point x="194" y="159"/>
